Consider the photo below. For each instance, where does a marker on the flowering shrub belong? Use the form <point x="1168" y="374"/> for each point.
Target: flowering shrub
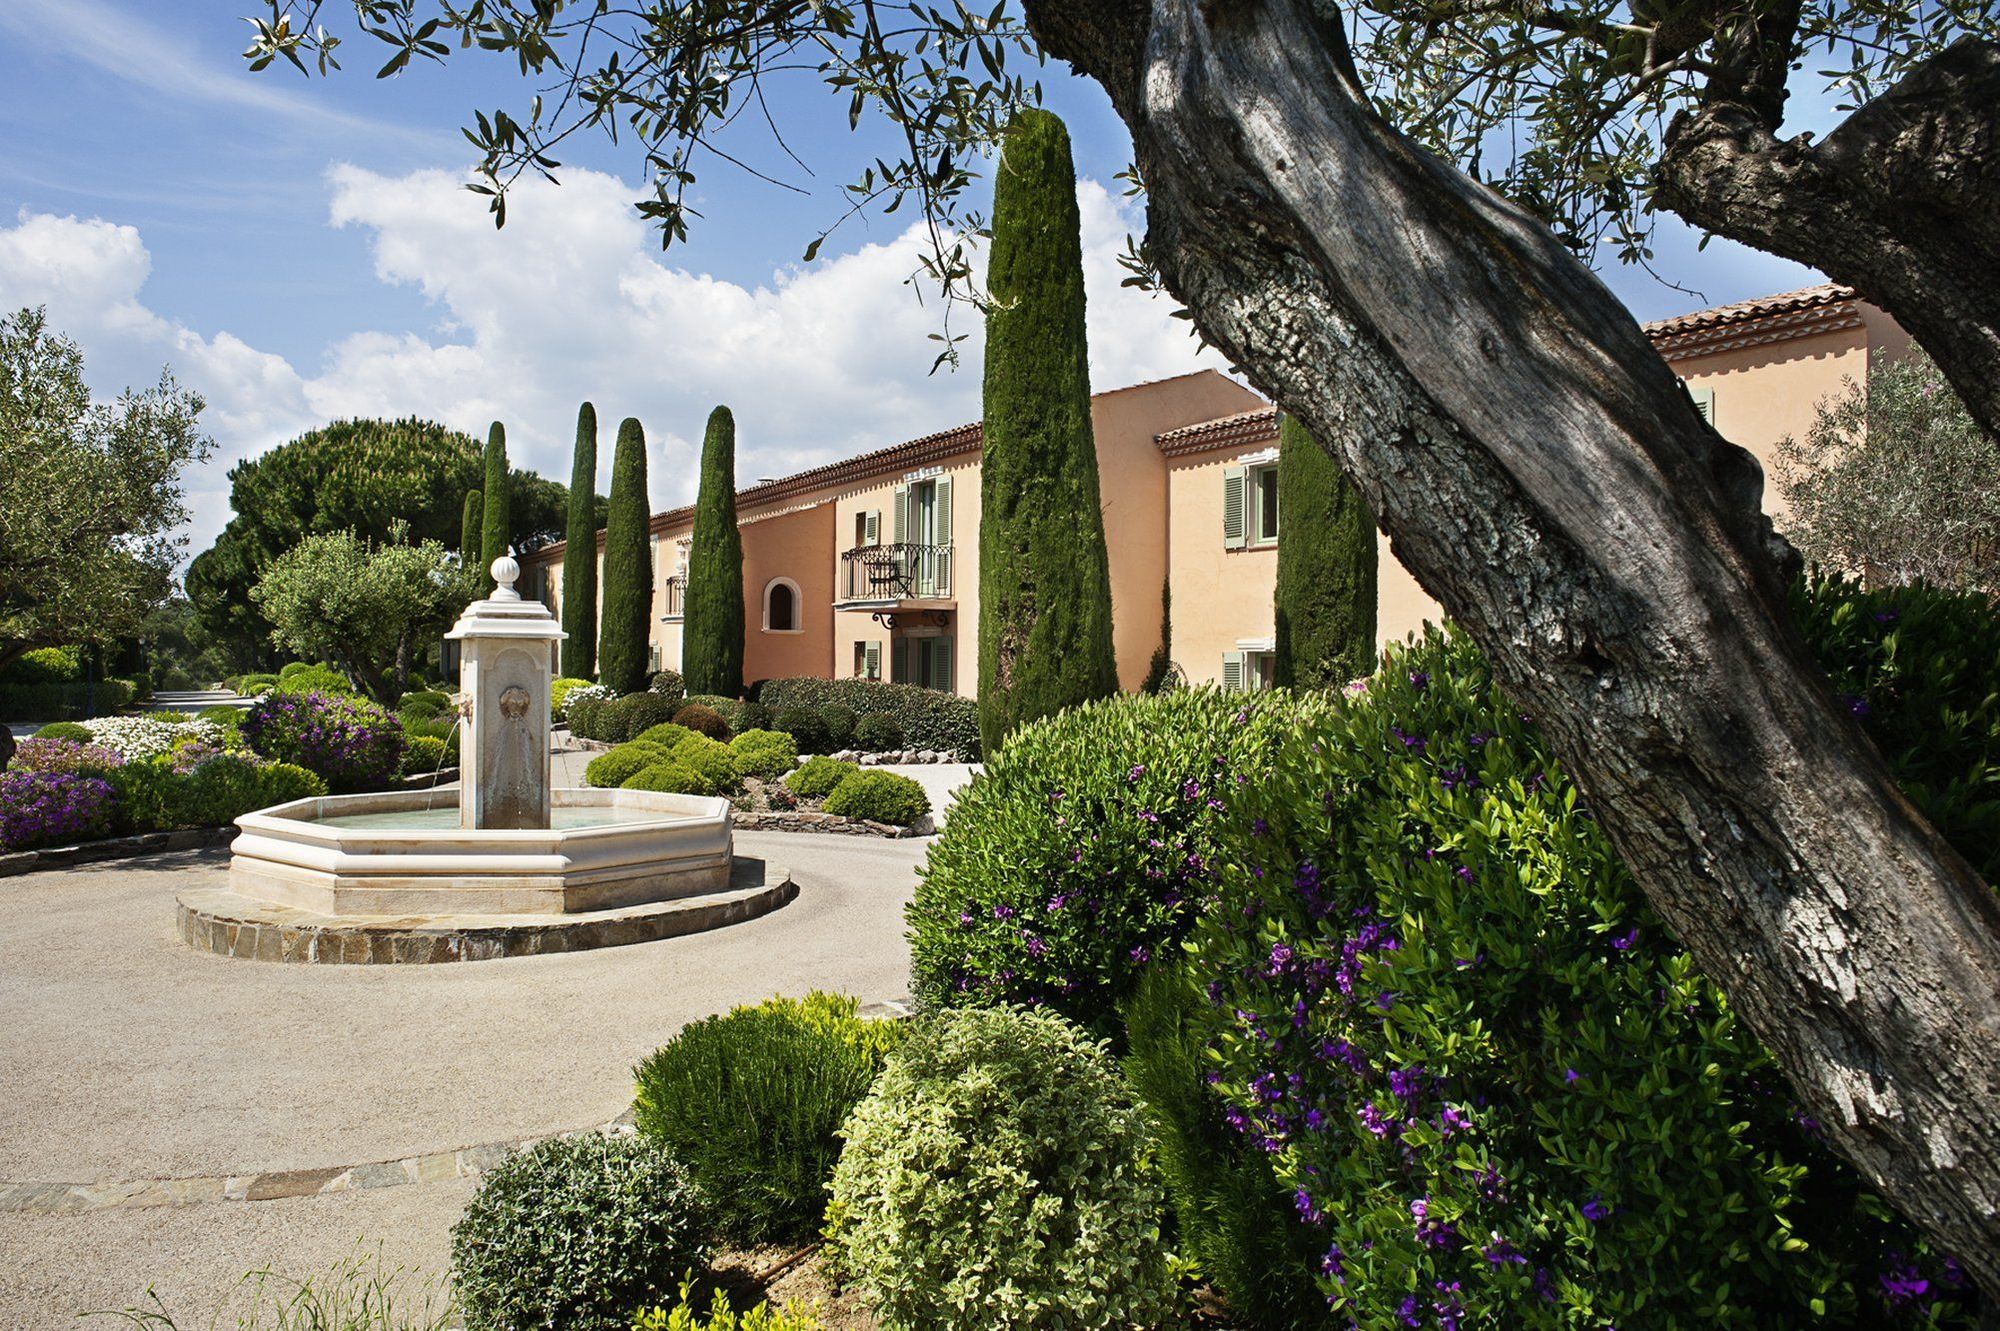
<point x="1084" y="850"/>
<point x="66" y="756"/>
<point x="351" y="743"/>
<point x="581" y="706"/>
<point x="46" y="808"/>
<point x="150" y="735"/>
<point x="1498" y="1091"/>
<point x="996" y="1178"/>
<point x="878" y="797"/>
<point x="752" y="1102"/>
<point x="562" y="689"/>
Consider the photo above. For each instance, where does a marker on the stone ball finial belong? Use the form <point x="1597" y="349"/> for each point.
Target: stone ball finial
<point x="506" y="572"/>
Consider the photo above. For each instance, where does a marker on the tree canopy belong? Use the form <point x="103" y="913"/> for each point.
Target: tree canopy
<point x="90" y="493"/>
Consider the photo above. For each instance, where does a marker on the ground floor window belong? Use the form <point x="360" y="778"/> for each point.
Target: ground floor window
<point x="868" y="660"/>
<point x="923" y="661"/>
<point x="1249" y="670"/>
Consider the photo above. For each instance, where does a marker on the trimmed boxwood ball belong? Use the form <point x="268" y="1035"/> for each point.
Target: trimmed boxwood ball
<point x="576" y="1233"/>
<point x="802" y="724"/>
<point x="667" y="735"/>
<point x="65" y="730"/>
<point x="877" y="732"/>
<point x="669" y="777"/>
<point x="710" y="760"/>
<point x="837" y="723"/>
<point x="423" y="754"/>
<point x="997" y="1177"/>
<point x="879" y="797"/>
<point x="815" y="778"/>
<point x="608" y="770"/>
<point x="750" y="716"/>
<point x="766" y="754"/>
<point x="753" y="1103"/>
<point x="704" y="719"/>
<point x="668" y="684"/>
<point x="634" y="715"/>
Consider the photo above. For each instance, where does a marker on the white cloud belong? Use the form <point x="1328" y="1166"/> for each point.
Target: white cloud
<point x="573" y="300"/>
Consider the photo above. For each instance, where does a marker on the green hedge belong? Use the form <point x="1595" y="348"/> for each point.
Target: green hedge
<point x="930" y="718"/>
<point x="64" y="701"/>
<point x="878" y="797"/>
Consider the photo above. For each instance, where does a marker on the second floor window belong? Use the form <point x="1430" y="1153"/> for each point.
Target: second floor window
<point x="1250" y="505"/>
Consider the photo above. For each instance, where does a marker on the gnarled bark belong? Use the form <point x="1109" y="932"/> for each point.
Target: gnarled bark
<point x="1901" y="202"/>
<point x="1544" y="476"/>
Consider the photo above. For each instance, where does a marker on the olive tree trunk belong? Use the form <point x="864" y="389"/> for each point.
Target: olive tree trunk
<point x="1545" y="476"/>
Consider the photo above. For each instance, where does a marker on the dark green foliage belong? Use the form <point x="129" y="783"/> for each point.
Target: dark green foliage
<point x="1084" y="851"/>
<point x="877" y="732"/>
<point x="703" y="719"/>
<point x="1161" y="668"/>
<point x="930" y="718"/>
<point x="668" y="683"/>
<point x="1044" y="576"/>
<point x="712" y="634"/>
<point x="471" y="537"/>
<point x="628" y="568"/>
<point x="1238" y="1226"/>
<point x="753" y="1102"/>
<point x="586" y="716"/>
<point x="33" y="702"/>
<point x="815" y="778"/>
<point x="429" y="702"/>
<point x="802" y="724"/>
<point x="251" y="685"/>
<point x="634" y="714"/>
<point x="1326" y="568"/>
<point x="1920" y="669"/>
<point x="749" y="716"/>
<point x="1498" y="1032"/>
<point x="576" y="1232"/>
<point x="496" y="531"/>
<point x="579" y="575"/>
<point x="879" y="797"/>
<point x="837" y="723"/>
<point x="152" y="796"/>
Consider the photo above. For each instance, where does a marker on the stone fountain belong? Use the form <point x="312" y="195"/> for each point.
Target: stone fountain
<point x="506" y="865"/>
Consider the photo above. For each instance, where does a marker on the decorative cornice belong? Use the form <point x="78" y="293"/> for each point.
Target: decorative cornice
<point x="1810" y="311"/>
<point x="1238" y="431"/>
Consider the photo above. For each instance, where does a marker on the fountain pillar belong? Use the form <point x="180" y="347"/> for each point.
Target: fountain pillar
<point x="504" y="673"/>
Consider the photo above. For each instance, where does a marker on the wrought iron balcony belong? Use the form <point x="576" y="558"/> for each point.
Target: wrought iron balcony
<point x="674" y="589"/>
<point x="886" y="573"/>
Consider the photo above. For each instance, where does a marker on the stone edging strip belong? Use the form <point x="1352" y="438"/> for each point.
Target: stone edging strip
<point x="113" y="848"/>
<point x="280" y="1184"/>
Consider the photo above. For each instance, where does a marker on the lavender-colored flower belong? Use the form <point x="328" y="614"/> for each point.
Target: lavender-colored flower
<point x="1903" y="1286"/>
<point x="1594" y="1209"/>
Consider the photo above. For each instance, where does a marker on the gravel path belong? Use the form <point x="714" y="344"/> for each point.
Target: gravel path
<point x="126" y="1055"/>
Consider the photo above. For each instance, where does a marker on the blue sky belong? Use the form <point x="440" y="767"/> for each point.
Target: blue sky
<point x="299" y="249"/>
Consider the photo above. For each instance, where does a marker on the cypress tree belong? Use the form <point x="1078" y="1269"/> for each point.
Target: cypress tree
<point x="712" y="630"/>
<point x="579" y="578"/>
<point x="497" y="517"/>
<point x="1326" y="568"/>
<point x="1044" y="577"/>
<point x="628" y="572"/>
<point x="470" y="543"/>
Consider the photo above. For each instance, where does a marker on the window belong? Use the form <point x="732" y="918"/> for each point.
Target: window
<point x="926" y="662"/>
<point x="868" y="660"/>
<point x="1249" y="671"/>
<point x="868" y="528"/>
<point x="1704" y="401"/>
<point x="1250" y="505"/>
<point x="781" y="606"/>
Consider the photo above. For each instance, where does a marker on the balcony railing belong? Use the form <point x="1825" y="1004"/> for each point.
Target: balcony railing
<point x="896" y="573"/>
<point x="675" y="589"/>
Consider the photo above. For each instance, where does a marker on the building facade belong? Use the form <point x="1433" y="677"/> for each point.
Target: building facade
<point x="869" y="567"/>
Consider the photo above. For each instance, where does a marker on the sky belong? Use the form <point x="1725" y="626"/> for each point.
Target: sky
<point x="299" y="250"/>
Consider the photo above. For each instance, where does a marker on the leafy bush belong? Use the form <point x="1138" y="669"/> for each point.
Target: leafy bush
<point x="668" y="684"/>
<point x="255" y="684"/>
<point x="64" y="702"/>
<point x="612" y="769"/>
<point x="1238" y="1228"/>
<point x="802" y="724"/>
<point x="878" y="732"/>
<point x="223" y="788"/>
<point x="66" y="756"/>
<point x="767" y="754"/>
<point x="560" y="690"/>
<point x="291" y="669"/>
<point x="443" y="729"/>
<point x="297" y="678"/>
<point x="815" y="778"/>
<point x="633" y="715"/>
<point x="703" y="718"/>
<point x="752" y="1102"/>
<point x="229" y="718"/>
<point x="435" y="701"/>
<point x="45" y="665"/>
<point x="930" y="718"/>
<point x="996" y="1177"/>
<point x="65" y="730"/>
<point x="686" y="1316"/>
<point x="1920" y="669"/>
<point x="711" y="761"/>
<point x="749" y="716"/>
<point x="879" y="797"/>
<point x="47" y="808"/>
<point x="424" y="754"/>
<point x="669" y="777"/>
<point x="1085" y="849"/>
<point x="351" y="743"/>
<point x="666" y="735"/>
<point x="584" y="708"/>
<point x="1439" y="1003"/>
<point x="575" y="1232"/>
<point x="836" y="723"/>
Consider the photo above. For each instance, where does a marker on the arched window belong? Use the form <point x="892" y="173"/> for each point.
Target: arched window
<point x="781" y="606"/>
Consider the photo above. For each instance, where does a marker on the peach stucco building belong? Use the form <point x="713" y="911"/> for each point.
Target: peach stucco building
<point x="869" y="567"/>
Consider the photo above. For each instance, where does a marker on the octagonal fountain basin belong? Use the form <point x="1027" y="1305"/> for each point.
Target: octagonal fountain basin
<point x="393" y="878"/>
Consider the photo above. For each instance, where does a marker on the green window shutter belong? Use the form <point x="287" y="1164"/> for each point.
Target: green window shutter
<point x="1234" y="526"/>
<point x="871" y="657"/>
<point x="942" y="523"/>
<point x="1704" y="401"/>
<point x="872" y="528"/>
<point x="900" y="516"/>
<point x="1232" y="672"/>
<point x="941" y="665"/>
<point x="899" y="660"/>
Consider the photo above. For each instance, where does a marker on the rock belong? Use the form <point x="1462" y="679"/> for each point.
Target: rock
<point x="908" y="756"/>
<point x="926" y="756"/>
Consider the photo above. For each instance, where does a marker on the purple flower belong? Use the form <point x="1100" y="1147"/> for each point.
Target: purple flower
<point x="1003" y="912"/>
<point x="1903" y="1286"/>
<point x="1140" y="956"/>
<point x="1419" y="680"/>
<point x="1571" y="1076"/>
<point x="1595" y="1210"/>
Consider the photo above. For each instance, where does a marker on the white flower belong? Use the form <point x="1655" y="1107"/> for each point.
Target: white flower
<point x="137" y="738"/>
